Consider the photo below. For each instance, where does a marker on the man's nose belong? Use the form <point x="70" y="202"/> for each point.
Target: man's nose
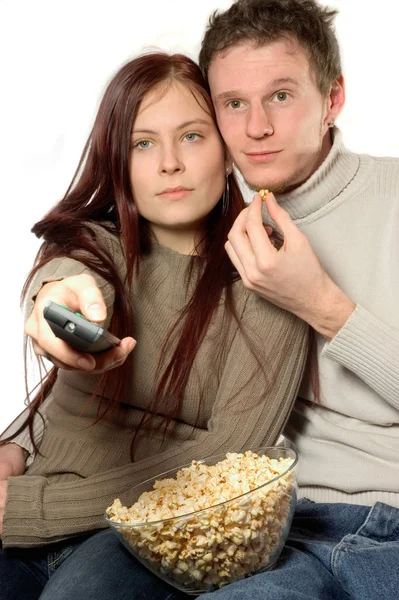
<point x="258" y="123"/>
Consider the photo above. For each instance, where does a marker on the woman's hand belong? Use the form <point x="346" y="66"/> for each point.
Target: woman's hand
<point x="81" y="294"/>
<point x="12" y="463"/>
<point x="12" y="460"/>
<point x="3" y="494"/>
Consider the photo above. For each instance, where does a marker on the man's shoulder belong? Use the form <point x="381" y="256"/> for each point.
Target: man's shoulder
<point x="382" y="172"/>
<point x="381" y="161"/>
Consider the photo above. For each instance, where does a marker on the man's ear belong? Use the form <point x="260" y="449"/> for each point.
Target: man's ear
<point x="335" y="100"/>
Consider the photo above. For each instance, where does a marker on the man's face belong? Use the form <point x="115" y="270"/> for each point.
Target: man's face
<point x="270" y="112"/>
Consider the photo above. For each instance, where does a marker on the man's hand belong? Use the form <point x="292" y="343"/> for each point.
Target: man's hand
<point x="80" y="293"/>
<point x="291" y="277"/>
<point x="12" y="463"/>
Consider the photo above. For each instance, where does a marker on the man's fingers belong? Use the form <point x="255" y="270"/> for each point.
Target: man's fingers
<point x="261" y="245"/>
<point x="279" y="215"/>
<point x="268" y="229"/>
<point x="239" y="242"/>
<point x="236" y="262"/>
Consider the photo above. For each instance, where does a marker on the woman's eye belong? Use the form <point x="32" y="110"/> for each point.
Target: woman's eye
<point x="281" y="96"/>
<point x="235" y="103"/>
<point x="191" y="137"/>
<point x="143" y="144"/>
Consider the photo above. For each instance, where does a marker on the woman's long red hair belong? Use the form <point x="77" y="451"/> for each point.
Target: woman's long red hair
<point x="101" y="192"/>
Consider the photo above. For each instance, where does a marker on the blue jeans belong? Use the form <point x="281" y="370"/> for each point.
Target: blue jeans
<point x="334" y="552"/>
<point x="25" y="572"/>
<point x="91" y="568"/>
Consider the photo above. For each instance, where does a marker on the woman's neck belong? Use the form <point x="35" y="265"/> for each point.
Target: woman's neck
<point x="180" y="240"/>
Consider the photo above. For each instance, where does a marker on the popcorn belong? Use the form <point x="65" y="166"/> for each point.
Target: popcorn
<point x="263" y="194"/>
<point x="203" y="530"/>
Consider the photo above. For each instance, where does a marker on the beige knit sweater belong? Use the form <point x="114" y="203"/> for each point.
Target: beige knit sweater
<point x="229" y="404"/>
<point x="349" y="440"/>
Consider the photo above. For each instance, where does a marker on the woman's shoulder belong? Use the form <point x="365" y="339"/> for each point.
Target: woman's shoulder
<point x="108" y="238"/>
<point x="107" y="234"/>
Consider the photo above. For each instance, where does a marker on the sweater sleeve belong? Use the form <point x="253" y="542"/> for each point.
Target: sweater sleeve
<point x="23" y="438"/>
<point x="62" y="267"/>
<point x="369" y="348"/>
<point x="250" y="409"/>
<point x="59" y="269"/>
<point x="56" y="270"/>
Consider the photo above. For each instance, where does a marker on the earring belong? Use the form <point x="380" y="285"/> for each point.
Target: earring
<point x="226" y="195"/>
<point x="331" y="124"/>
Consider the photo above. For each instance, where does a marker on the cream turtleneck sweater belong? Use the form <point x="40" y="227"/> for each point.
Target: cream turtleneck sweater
<point x="349" y="440"/>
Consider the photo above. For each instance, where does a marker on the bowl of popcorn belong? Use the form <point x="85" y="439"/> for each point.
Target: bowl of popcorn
<point x="211" y="522"/>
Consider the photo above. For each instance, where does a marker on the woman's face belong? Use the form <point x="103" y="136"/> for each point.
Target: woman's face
<point x="177" y="165"/>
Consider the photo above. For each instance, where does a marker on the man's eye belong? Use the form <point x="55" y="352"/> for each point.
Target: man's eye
<point x="281" y="96"/>
<point x="235" y="103"/>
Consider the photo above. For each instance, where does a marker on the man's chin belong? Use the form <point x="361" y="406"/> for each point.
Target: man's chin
<point x="277" y="187"/>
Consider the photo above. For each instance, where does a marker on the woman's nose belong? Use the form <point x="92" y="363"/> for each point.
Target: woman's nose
<point x="171" y="162"/>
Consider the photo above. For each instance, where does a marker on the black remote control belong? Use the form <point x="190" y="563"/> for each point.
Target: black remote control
<point x="78" y="332"/>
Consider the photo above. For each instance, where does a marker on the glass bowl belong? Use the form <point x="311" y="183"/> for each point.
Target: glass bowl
<point x="203" y="550"/>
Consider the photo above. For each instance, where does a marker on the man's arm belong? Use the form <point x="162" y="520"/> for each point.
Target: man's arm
<point x="294" y="279"/>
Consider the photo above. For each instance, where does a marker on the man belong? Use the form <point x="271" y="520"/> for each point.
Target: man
<point x="275" y="76"/>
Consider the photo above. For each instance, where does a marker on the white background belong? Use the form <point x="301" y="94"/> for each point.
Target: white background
<point x="56" y="58"/>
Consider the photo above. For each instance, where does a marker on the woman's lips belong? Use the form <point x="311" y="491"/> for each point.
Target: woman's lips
<point x="175" y="193"/>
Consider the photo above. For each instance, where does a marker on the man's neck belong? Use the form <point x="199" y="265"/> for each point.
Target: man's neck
<point x="326" y="146"/>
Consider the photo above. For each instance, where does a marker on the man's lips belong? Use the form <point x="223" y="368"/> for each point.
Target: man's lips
<point x="265" y="156"/>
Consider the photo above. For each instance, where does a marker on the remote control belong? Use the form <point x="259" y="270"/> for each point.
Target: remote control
<point x="78" y="332"/>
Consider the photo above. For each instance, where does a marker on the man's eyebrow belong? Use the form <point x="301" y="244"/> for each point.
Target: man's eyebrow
<point x="182" y="126"/>
<point x="228" y="94"/>
<point x="239" y="93"/>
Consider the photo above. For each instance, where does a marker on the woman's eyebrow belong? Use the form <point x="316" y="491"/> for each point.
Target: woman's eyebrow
<point x="194" y="122"/>
<point x="181" y="126"/>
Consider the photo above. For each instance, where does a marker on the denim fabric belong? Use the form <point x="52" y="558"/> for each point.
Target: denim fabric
<point x="334" y="552"/>
<point x="25" y="572"/>
<point x="102" y="568"/>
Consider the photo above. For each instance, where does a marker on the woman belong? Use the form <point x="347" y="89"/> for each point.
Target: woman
<point x="140" y="235"/>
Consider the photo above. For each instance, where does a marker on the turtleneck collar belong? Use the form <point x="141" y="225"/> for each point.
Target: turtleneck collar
<point x="330" y="179"/>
